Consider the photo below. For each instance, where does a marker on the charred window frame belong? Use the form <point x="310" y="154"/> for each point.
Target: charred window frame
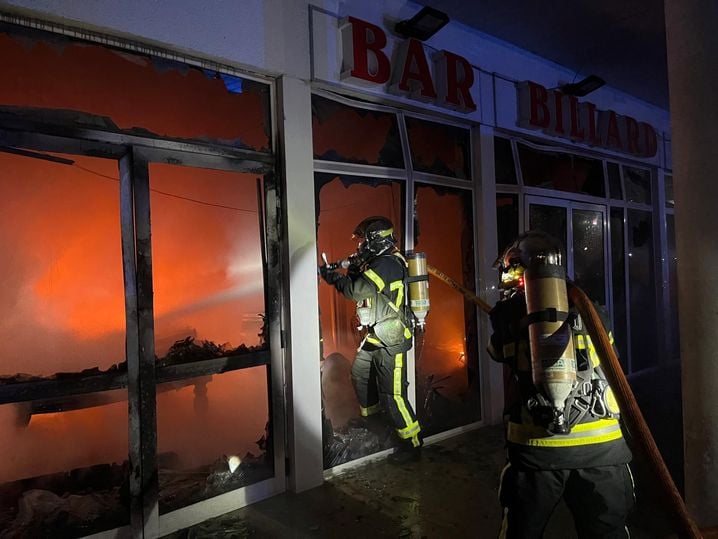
<point x="24" y="134"/>
<point x="645" y="206"/>
<point x="410" y="178"/>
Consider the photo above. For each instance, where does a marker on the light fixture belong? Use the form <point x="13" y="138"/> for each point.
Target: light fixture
<point x="583" y="87"/>
<point x="423" y="25"/>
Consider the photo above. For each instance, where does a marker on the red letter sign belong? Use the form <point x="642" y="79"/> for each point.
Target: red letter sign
<point x="455" y="77"/>
<point x="415" y="74"/>
<point x="533" y="100"/>
<point x="362" y="45"/>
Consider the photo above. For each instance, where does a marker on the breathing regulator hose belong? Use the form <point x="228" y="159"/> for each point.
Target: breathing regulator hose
<point x="684" y="524"/>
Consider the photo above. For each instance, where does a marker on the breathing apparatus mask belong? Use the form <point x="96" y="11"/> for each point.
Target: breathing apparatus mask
<point x="375" y="235"/>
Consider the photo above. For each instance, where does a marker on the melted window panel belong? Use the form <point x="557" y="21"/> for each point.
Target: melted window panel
<point x="343" y="202"/>
<point x="355" y="135"/>
<point x="136" y="93"/>
<point x="447" y="371"/>
<point x="561" y="171"/>
<point x="439" y="149"/>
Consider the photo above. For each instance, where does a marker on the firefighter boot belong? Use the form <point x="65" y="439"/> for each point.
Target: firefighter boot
<point x="406" y="453"/>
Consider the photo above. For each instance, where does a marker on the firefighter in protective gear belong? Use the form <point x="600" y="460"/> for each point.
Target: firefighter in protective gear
<point x="588" y="465"/>
<point x="376" y="280"/>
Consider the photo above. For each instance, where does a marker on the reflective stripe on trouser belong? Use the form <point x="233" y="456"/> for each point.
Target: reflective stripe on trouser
<point x="380" y="381"/>
<point x="599" y="499"/>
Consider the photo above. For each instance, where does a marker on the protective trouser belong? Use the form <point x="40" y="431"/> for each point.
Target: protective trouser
<point x="599" y="498"/>
<point x="380" y="382"/>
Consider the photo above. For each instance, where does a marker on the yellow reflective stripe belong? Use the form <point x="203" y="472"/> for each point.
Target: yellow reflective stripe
<point x="398" y="285"/>
<point x="600" y="424"/>
<point x="407" y="333"/>
<point x="371" y="410"/>
<point x="385" y="233"/>
<point x="596" y="432"/>
<point x="373" y="340"/>
<point x="407" y="432"/>
<point x="373" y="277"/>
<point x="580" y="342"/>
<point x="398" y="364"/>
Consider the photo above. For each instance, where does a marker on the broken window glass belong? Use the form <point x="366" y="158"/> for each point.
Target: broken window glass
<point x="637" y="182"/>
<point x="355" y="135"/>
<point x="208" y="279"/>
<point x="447" y="369"/>
<point x="212" y="436"/>
<point x="439" y="148"/>
<point x="343" y="201"/>
<point x="80" y="84"/>
<point x="64" y="471"/>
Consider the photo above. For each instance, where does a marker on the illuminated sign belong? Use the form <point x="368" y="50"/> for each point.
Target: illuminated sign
<point x="447" y="82"/>
<point x="563" y="116"/>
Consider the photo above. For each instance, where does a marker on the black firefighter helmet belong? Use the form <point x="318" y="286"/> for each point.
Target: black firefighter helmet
<point x="375" y="235"/>
<point x="533" y="246"/>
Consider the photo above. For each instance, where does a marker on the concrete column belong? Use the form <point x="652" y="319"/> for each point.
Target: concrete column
<point x="302" y="331"/>
<point x="692" y="41"/>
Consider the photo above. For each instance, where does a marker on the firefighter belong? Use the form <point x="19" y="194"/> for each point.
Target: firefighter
<point x="376" y="279"/>
<point x="585" y="458"/>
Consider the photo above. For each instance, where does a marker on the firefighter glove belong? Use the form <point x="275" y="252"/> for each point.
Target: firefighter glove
<point x="330" y="276"/>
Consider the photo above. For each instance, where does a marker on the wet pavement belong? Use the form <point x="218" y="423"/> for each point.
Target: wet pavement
<point x="450" y="493"/>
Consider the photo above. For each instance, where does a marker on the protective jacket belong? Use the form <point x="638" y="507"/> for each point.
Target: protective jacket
<point x="595" y="438"/>
<point x="379" y="290"/>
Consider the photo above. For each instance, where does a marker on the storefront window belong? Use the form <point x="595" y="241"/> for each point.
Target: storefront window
<point x="561" y="171"/>
<point x="642" y="299"/>
<point x="63" y="324"/>
<point x="208" y="304"/>
<point x="551" y="220"/>
<point x="618" y="273"/>
<point x="507" y="219"/>
<point x="439" y="149"/>
<point x="110" y="89"/>
<point x="588" y="255"/>
<point x="447" y="351"/>
<point x="638" y="184"/>
<point x="505" y="169"/>
<point x="343" y="201"/>
<point x="355" y="135"/>
<point x="614" y="181"/>
<point x="668" y="181"/>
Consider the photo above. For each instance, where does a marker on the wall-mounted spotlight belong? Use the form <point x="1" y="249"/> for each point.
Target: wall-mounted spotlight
<point x="423" y="25"/>
<point x="583" y="87"/>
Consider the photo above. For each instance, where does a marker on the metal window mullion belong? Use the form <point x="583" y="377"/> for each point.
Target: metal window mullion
<point x="408" y="242"/>
<point x="274" y="315"/>
<point x="137" y="266"/>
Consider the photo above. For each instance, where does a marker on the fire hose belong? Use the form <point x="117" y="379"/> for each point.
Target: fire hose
<point x="685" y="526"/>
